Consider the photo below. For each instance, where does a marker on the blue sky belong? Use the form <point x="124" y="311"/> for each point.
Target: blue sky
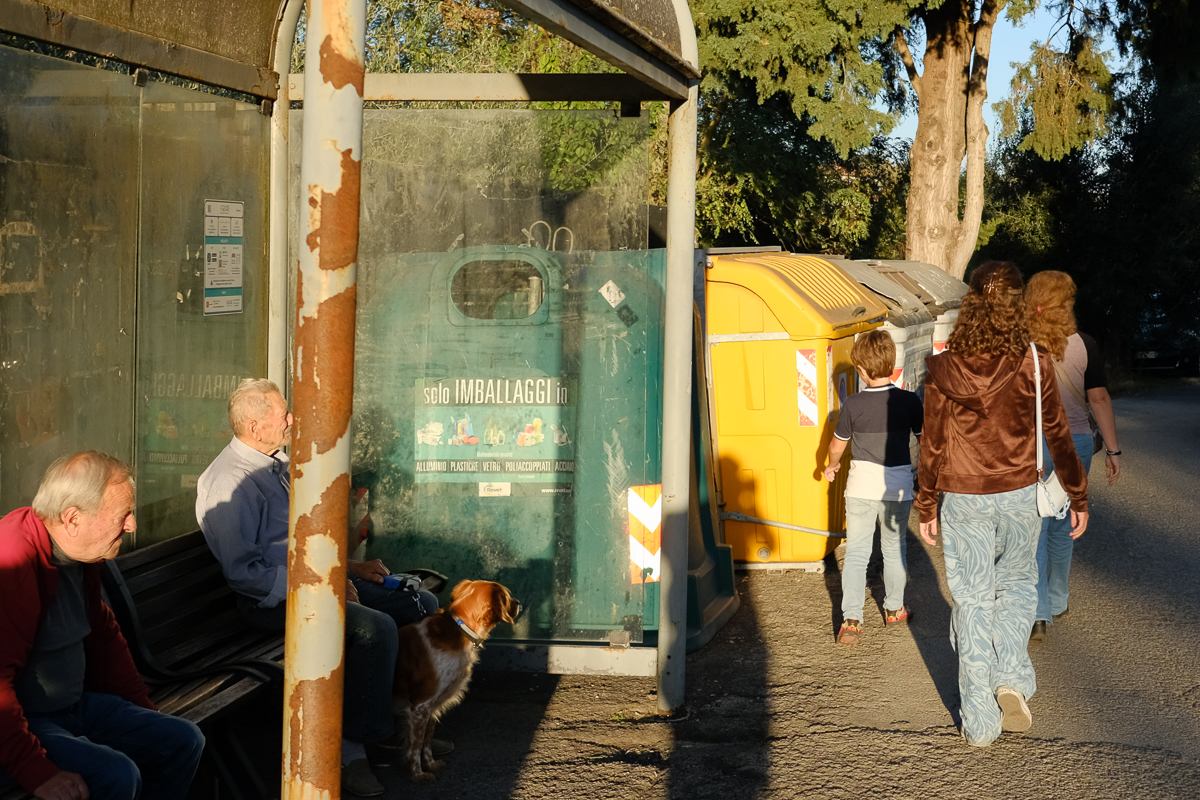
<point x="1009" y="44"/>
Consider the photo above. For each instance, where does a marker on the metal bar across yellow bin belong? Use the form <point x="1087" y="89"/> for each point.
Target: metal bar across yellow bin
<point x="780" y="329"/>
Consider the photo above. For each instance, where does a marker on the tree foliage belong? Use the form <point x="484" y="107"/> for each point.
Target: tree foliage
<point x="455" y="36"/>
<point x="829" y="59"/>
<point x="763" y="179"/>
<point x="844" y="67"/>
<point x="1118" y="215"/>
<point x="1068" y="96"/>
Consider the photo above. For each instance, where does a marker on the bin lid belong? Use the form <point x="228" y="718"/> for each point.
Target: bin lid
<point x="904" y="308"/>
<point x="938" y="287"/>
<point x="810" y="297"/>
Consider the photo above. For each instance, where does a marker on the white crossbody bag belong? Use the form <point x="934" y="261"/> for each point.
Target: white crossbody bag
<point x="1052" y="499"/>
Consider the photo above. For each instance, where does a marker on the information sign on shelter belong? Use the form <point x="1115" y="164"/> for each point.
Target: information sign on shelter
<point x="223" y="257"/>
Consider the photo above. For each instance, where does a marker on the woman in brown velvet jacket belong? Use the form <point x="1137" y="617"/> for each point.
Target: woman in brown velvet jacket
<point x="978" y="453"/>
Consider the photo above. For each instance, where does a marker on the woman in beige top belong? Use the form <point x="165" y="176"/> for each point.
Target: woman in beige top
<point x="1050" y="315"/>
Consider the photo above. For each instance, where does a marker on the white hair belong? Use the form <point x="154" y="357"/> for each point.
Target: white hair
<point x="78" y="481"/>
<point x="249" y="402"/>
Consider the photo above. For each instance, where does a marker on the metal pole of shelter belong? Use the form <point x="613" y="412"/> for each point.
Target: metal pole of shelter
<point x="677" y="382"/>
<point x="279" y="254"/>
<point x="322" y="394"/>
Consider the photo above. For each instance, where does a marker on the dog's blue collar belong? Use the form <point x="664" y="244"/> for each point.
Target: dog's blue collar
<point x="475" y="638"/>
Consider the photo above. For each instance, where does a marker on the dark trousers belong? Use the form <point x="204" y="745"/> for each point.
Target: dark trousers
<point x="371" y="647"/>
<point x="121" y="750"/>
<point x="403" y="607"/>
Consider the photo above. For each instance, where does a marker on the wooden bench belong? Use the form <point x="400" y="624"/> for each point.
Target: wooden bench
<point x="181" y="621"/>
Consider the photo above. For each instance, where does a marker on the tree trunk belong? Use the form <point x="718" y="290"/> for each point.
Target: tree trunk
<point x="951" y="92"/>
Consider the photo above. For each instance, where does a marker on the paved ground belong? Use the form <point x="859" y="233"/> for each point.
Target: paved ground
<point x="776" y="710"/>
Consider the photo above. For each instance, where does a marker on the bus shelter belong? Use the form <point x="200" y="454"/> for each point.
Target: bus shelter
<point x="146" y="266"/>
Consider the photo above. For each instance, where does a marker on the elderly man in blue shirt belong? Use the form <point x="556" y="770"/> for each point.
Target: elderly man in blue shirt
<point x="242" y="507"/>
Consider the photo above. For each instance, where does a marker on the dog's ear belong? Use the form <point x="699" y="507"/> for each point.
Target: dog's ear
<point x="502" y="600"/>
<point x="470" y="602"/>
<point x="461" y="590"/>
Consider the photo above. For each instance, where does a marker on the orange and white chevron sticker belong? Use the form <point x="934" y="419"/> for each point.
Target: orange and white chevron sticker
<point x="806" y="387"/>
<point x="938" y="347"/>
<point x="898" y="377"/>
<point x="645" y="532"/>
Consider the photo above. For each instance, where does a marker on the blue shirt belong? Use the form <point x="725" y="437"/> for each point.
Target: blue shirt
<point x="242" y="507"/>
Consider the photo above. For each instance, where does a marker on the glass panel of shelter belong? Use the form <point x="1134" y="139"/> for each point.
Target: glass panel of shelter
<point x="508" y="358"/>
<point x="104" y="343"/>
<point x="202" y="305"/>
<point x="68" y="216"/>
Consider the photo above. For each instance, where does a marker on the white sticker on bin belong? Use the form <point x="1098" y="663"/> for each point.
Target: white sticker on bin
<point x="612" y="293"/>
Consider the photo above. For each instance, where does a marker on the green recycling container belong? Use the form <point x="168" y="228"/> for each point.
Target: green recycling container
<point x="507" y="426"/>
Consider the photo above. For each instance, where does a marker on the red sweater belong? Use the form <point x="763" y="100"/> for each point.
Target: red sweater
<point x="28" y="581"/>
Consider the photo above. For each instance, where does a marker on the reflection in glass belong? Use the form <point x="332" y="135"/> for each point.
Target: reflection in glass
<point x="102" y="186"/>
<point x="68" y="212"/>
<point x="195" y="148"/>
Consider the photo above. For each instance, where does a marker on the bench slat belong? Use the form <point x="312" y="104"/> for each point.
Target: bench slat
<point x="194" y="693"/>
<point x="136" y="558"/>
<point x="216" y="705"/>
<point x="186" y="568"/>
<point x="194" y="619"/>
<point x="233" y="651"/>
<point x="168" y="599"/>
<point x="177" y="649"/>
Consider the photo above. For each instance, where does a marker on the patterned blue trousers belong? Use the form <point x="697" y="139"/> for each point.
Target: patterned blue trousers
<point x="990" y="545"/>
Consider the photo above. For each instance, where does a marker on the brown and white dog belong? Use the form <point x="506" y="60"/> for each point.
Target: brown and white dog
<point x="435" y="660"/>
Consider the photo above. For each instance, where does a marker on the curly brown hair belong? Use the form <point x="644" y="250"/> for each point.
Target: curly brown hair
<point x="992" y="318"/>
<point x="1050" y="310"/>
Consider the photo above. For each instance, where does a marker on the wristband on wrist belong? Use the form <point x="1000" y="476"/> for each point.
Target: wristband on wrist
<point x="1108" y="452"/>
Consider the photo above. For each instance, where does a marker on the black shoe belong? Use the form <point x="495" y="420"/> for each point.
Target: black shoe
<point x="1039" y="631"/>
<point x="358" y="779"/>
<point x="1065" y="611"/>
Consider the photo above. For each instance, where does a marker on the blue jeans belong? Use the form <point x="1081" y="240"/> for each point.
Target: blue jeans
<point x="1055" y="547"/>
<point x="121" y="750"/>
<point x="860" y="536"/>
<point x="990" y="545"/>
<point x="371" y="646"/>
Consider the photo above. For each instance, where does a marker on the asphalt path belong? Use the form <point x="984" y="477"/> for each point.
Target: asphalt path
<point x="775" y="709"/>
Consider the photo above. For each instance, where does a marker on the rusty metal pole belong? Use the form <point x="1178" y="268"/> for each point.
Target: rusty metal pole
<point x="322" y="393"/>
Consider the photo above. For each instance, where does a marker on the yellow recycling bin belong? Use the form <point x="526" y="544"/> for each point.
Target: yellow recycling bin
<point x="780" y="329"/>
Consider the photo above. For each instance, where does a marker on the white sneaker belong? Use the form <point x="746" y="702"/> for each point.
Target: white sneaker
<point x="1016" y="712"/>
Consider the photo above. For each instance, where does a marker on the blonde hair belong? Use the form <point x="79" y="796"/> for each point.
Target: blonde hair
<point x="249" y="402"/>
<point x="1050" y="310"/>
<point x="79" y="481"/>
<point x="875" y="352"/>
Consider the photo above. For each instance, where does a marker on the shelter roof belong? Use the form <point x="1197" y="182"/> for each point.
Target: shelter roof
<point x="231" y="43"/>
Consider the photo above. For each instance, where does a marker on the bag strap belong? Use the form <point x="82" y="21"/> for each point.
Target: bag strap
<point x="1037" y="402"/>
<point x="1062" y="378"/>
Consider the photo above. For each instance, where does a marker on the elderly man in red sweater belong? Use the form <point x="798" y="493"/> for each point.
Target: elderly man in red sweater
<point x="76" y="721"/>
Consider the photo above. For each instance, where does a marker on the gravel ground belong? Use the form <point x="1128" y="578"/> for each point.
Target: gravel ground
<point x="776" y="710"/>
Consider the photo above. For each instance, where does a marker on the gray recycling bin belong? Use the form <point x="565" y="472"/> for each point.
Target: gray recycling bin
<point x="942" y="293"/>
<point x="909" y="323"/>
